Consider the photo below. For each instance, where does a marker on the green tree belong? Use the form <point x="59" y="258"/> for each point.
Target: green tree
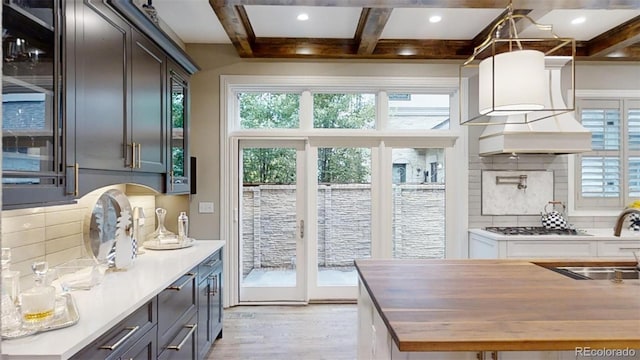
<point x="278" y="166"/>
<point x="269" y="110"/>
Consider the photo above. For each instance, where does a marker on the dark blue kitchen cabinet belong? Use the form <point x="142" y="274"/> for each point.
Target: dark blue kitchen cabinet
<point x="33" y="105"/>
<point x="86" y="101"/>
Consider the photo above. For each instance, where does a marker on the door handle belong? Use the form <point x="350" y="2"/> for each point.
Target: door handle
<point x="301" y="229"/>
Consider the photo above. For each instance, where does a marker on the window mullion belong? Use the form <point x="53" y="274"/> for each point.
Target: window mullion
<point x="306" y="110"/>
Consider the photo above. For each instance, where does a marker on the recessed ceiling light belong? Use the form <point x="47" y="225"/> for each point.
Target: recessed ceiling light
<point x="303" y="17"/>
<point x="407" y="52"/>
<point x="435" y="19"/>
<point x="578" y="20"/>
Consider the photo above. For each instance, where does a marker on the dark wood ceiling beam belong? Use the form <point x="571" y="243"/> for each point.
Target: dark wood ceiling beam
<point x="489" y="4"/>
<point x="616" y="39"/>
<point x="231" y="17"/>
<point x="372" y="22"/>
<point x="305" y="48"/>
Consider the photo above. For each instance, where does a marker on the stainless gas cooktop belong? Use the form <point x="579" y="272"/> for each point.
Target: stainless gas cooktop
<point x="530" y="230"/>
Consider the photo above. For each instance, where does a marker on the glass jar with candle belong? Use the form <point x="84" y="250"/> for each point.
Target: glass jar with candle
<point x="38" y="303"/>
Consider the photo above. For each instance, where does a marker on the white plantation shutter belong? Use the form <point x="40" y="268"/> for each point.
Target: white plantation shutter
<point x="633" y="139"/>
<point x="600" y="177"/>
<point x="634" y="177"/>
<point x="609" y="175"/>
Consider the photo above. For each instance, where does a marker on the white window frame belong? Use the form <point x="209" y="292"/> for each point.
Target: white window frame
<point x="454" y="140"/>
<point x="574" y="167"/>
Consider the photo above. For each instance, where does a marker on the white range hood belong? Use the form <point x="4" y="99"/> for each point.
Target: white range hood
<point x="557" y="134"/>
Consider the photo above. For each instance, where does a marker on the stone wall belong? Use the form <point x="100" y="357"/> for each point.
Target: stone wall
<point x="344" y="224"/>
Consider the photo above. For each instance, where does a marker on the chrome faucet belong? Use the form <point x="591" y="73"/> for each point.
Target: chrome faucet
<point x="617" y="229"/>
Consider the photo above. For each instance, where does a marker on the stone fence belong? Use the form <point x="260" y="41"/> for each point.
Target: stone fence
<point x="344" y="224"/>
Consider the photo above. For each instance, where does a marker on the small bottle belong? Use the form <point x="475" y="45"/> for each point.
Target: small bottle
<point x="10" y="278"/>
<point x="38" y="303"/>
<point x="183" y="227"/>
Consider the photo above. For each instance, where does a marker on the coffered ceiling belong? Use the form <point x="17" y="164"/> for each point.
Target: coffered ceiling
<point x="397" y="29"/>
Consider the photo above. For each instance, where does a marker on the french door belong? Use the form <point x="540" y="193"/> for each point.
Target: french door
<point x="272" y="234"/>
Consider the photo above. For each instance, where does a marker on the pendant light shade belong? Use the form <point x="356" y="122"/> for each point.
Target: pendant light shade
<point x="512" y="83"/>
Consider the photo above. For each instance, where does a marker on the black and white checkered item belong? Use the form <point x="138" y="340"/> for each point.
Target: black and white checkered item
<point x="634" y="222"/>
<point x="554" y="220"/>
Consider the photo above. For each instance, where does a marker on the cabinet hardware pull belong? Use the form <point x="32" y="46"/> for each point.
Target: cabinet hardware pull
<point x="76" y="170"/>
<point x="629" y="248"/>
<point x="133" y="155"/>
<point x="193" y="328"/>
<point x="171" y="181"/>
<point x="179" y="287"/>
<point x="301" y="229"/>
<point x="132" y="330"/>
<point x="215" y="286"/>
<point x="212" y="263"/>
<point x="139" y="156"/>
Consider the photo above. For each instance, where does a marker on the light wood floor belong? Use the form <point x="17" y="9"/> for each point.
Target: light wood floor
<point x="312" y="332"/>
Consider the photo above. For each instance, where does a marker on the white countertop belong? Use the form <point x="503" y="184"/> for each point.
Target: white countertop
<point x="104" y="306"/>
<point x="584" y="234"/>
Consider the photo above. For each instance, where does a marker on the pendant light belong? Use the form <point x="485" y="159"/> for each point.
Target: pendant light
<point x="511" y="75"/>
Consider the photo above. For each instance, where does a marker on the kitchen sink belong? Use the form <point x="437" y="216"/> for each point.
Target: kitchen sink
<point x="598" y="272"/>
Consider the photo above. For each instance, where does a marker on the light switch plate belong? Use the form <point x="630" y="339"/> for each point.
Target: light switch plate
<point x="205" y="207"/>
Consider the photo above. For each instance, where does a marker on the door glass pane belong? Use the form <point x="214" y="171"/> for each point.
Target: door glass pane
<point x="344" y="213"/>
<point x="344" y="111"/>
<point x="269" y="217"/>
<point x="269" y="110"/>
<point x="178" y="126"/>
<point x="29" y="92"/>
<point x="418" y="111"/>
<point x="418" y="204"/>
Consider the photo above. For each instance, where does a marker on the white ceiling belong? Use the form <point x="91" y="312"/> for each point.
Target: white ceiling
<point x="456" y="24"/>
<point x="324" y="22"/>
<point x="596" y="22"/>
<point x="194" y="21"/>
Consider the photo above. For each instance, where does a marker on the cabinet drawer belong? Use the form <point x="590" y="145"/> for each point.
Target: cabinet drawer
<point x="145" y="348"/>
<point x="550" y="248"/>
<point x="210" y="264"/>
<point x="174" y="302"/>
<point x="122" y="336"/>
<point x="182" y="345"/>
<point x="618" y="248"/>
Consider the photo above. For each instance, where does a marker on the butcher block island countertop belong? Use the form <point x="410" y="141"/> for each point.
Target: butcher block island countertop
<point x="499" y="305"/>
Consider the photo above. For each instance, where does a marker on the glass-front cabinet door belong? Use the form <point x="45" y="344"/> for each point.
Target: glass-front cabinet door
<point x="179" y="164"/>
<point x="32" y="126"/>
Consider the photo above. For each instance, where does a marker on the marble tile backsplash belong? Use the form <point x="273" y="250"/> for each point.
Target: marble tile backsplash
<point x="556" y="163"/>
<point x="55" y="234"/>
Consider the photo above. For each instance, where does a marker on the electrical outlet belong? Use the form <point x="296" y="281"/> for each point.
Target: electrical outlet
<point x="205" y="207"/>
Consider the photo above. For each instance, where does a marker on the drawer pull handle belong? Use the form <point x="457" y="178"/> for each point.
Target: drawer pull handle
<point x="629" y="248"/>
<point x="212" y="263"/>
<point x="179" y="287"/>
<point x="193" y="328"/>
<point x="132" y="330"/>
